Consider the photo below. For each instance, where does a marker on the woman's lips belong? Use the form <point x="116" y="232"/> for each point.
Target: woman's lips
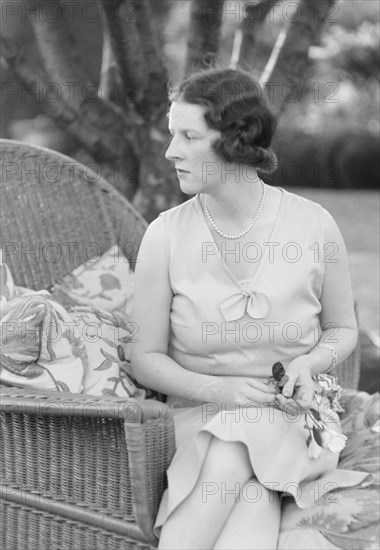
<point x="181" y="172"/>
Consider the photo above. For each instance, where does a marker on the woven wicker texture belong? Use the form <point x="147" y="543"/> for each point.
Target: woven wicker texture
<point x="77" y="472"/>
<point x="348" y="372"/>
<point x="56" y="214"/>
<point x="23" y="527"/>
<point x="107" y="457"/>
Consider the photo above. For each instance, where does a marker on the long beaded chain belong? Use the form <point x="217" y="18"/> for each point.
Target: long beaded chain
<point x="213" y="224"/>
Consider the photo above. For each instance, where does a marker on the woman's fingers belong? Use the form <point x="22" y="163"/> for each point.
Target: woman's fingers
<point x="256" y="396"/>
<point x="266" y="388"/>
<point x="288" y="388"/>
<point x="301" y="389"/>
<point x="288" y="405"/>
<point x="301" y="401"/>
<point x="305" y="396"/>
<point x="267" y="397"/>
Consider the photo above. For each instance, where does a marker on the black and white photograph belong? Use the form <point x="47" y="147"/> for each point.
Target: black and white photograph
<point x="189" y="275"/>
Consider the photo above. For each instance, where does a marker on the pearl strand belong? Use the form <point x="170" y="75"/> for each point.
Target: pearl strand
<point x="213" y="224"/>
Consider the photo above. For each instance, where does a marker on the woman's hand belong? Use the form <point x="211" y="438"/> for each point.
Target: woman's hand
<point x="243" y="390"/>
<point x="299" y="386"/>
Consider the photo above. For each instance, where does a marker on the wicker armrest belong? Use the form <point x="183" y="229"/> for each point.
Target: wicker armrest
<point x="348" y="371"/>
<point x="107" y="456"/>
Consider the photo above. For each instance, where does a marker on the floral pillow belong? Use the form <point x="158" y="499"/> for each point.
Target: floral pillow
<point x="105" y="283"/>
<point x="78" y="349"/>
<point x="40" y="346"/>
<point x="85" y="350"/>
<point x="36" y="348"/>
<point x="107" y="339"/>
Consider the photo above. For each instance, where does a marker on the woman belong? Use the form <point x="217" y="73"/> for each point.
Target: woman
<point x="239" y="277"/>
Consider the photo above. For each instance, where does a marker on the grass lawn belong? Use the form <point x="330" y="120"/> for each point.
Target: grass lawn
<point x="357" y="214"/>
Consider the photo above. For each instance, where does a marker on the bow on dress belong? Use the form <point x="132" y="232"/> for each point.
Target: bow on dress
<point x="255" y="304"/>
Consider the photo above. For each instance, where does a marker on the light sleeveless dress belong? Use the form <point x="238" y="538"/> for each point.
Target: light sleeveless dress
<point x="222" y="326"/>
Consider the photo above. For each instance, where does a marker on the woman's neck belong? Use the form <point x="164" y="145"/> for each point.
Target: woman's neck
<point x="234" y="202"/>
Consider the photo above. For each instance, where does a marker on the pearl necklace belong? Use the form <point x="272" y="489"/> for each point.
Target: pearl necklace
<point x="213" y="224"/>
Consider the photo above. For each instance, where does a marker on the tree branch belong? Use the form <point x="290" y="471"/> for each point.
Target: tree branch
<point x="288" y="76"/>
<point x="122" y="18"/>
<point x="111" y="86"/>
<point x="255" y="15"/>
<point x="81" y="128"/>
<point x="99" y="126"/>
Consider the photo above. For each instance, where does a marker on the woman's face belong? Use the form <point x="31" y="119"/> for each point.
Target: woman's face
<point x="198" y="167"/>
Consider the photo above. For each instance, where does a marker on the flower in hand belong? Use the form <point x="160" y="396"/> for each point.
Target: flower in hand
<point x="320" y="435"/>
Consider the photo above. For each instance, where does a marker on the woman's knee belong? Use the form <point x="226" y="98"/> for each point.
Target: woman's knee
<point x="227" y="460"/>
<point x="253" y="492"/>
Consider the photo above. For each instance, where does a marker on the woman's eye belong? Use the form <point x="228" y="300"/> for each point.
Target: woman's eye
<point x="189" y="136"/>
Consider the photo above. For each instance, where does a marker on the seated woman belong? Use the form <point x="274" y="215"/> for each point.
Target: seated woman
<point x="241" y="276"/>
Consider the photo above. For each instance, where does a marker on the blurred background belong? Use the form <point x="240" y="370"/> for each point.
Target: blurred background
<point x="332" y="125"/>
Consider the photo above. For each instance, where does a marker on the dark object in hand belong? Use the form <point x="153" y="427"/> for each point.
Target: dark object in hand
<point x="278" y="371"/>
<point x="279" y="376"/>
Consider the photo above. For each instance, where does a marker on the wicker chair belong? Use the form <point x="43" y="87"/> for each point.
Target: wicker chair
<point x="77" y="472"/>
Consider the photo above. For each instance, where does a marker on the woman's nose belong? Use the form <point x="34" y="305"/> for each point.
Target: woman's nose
<point x="173" y="152"/>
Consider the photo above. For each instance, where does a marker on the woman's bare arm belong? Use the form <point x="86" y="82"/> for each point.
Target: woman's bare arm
<point x="152" y="303"/>
<point x="338" y="320"/>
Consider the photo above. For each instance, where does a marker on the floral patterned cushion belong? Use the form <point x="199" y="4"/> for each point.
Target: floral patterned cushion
<point x="92" y="354"/>
<point x="46" y="346"/>
<point x="107" y="338"/>
<point x="40" y="345"/>
<point x="345" y="518"/>
<point x="83" y="350"/>
<point x="105" y="283"/>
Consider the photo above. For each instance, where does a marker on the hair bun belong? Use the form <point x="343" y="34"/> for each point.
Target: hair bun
<point x="266" y="160"/>
<point x="237" y="106"/>
<point x="241" y="149"/>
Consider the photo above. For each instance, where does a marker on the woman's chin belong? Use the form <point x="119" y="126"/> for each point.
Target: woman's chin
<point x="188" y="187"/>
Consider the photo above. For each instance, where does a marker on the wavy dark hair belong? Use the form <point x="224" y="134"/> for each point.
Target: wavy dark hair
<point x="238" y="107"/>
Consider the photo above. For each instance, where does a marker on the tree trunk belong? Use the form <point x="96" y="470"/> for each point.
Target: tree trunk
<point x="204" y="34"/>
<point x="155" y="93"/>
<point x="144" y="77"/>
<point x="159" y="188"/>
<point x="136" y="48"/>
